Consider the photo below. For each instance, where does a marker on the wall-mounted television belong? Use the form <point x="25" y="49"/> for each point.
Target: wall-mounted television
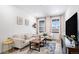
<point x="71" y="26"/>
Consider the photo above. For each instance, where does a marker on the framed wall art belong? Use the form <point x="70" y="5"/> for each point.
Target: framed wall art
<point x="26" y="22"/>
<point x="19" y="20"/>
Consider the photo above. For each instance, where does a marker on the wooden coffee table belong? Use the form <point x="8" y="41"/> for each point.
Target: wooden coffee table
<point x="36" y="43"/>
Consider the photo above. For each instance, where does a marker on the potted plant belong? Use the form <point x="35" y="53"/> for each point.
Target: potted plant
<point x="45" y="34"/>
<point x="73" y="36"/>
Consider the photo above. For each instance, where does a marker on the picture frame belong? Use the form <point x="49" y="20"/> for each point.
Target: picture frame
<point x="19" y="20"/>
<point x="26" y="22"/>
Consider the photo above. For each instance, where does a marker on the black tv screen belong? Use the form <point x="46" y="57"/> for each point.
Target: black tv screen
<point x="71" y="26"/>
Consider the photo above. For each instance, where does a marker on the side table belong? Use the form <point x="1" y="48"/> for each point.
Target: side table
<point x="7" y="42"/>
<point x="73" y="50"/>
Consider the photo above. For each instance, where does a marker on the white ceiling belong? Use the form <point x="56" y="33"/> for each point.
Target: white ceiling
<point x="43" y="10"/>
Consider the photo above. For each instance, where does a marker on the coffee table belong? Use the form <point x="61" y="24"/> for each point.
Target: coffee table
<point x="36" y="43"/>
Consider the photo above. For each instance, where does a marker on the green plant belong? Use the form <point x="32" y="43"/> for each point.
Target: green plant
<point x="73" y="36"/>
<point x="45" y="34"/>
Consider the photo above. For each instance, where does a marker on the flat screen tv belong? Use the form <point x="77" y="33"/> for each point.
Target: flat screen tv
<point x="71" y="26"/>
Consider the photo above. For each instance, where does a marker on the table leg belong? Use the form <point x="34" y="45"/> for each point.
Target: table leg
<point x="44" y="41"/>
<point x="39" y="46"/>
<point x="30" y="45"/>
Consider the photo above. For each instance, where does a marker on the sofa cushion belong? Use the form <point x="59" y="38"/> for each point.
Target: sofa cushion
<point x="28" y="35"/>
<point x="18" y="39"/>
<point x="17" y="36"/>
<point x="20" y="36"/>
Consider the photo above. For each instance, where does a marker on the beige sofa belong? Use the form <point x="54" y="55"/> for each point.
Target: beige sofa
<point x="22" y="40"/>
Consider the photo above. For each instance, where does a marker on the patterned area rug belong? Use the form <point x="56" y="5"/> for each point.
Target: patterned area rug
<point x="49" y="48"/>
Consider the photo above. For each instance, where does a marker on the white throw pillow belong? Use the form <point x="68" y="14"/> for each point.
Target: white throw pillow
<point x="67" y="42"/>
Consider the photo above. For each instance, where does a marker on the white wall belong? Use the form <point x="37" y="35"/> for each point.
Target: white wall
<point x="70" y="11"/>
<point x="8" y="24"/>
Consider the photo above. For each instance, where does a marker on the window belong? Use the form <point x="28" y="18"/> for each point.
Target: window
<point x="55" y="25"/>
<point x="41" y="26"/>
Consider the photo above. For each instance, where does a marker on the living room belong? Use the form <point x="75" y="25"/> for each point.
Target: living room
<point x="19" y="22"/>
